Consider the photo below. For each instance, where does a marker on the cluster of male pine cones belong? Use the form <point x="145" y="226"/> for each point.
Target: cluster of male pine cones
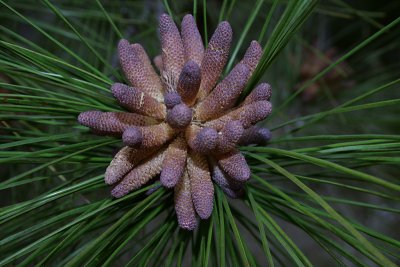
<point x="183" y="124"/>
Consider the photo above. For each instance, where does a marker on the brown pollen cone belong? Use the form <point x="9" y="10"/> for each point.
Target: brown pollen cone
<point x="174" y="163"/>
<point x="224" y="95"/>
<point x="201" y="185"/>
<point x="138" y="101"/>
<point x="184" y="205"/>
<point x="173" y="54"/>
<point x="215" y="58"/>
<point x="138" y="70"/>
<point x="192" y="42"/>
<point x="124" y="161"/>
<point x="139" y="175"/>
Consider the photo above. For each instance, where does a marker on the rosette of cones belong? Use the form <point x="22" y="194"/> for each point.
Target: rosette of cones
<point x="184" y="124"/>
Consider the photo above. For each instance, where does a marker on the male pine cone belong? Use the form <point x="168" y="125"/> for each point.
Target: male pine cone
<point x="183" y="124"/>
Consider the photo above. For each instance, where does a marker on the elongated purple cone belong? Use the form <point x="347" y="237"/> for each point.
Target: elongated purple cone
<point x="215" y="58"/>
<point x="109" y="124"/>
<point x="132" y="137"/>
<point x="255" y="135"/>
<point x="231" y="187"/>
<point x="173" y="55"/>
<point x="138" y="101"/>
<point x="201" y="185"/>
<point x="255" y="112"/>
<point x="224" y="95"/>
<point x="189" y="82"/>
<point x="174" y="163"/>
<point x="247" y="115"/>
<point x="139" y="175"/>
<point x="124" y="161"/>
<point x="229" y="137"/>
<point x="138" y="70"/>
<point x="171" y="99"/>
<point x="184" y="205"/>
<point x="252" y="55"/>
<point x="262" y="92"/>
<point x="234" y="164"/>
<point x="89" y="118"/>
<point x="205" y="140"/>
<point x="113" y="123"/>
<point x="118" y="122"/>
<point x="179" y="117"/>
<point x="191" y="38"/>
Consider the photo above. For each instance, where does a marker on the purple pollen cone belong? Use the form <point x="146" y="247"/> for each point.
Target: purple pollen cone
<point x="169" y="176"/>
<point x="89" y="118"/>
<point x="252" y="55"/>
<point x="206" y="140"/>
<point x="255" y="135"/>
<point x="137" y="101"/>
<point x="191" y="38"/>
<point x="234" y="164"/>
<point x="184" y="208"/>
<point x="233" y="188"/>
<point x="174" y="163"/>
<point x="171" y="99"/>
<point x="132" y="137"/>
<point x="215" y="57"/>
<point x="233" y="130"/>
<point x="262" y="92"/>
<point x="189" y="82"/>
<point x="179" y="116"/>
<point x="229" y="137"/>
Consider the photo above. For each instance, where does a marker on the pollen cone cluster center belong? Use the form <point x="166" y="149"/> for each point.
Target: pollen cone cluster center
<point x="183" y="125"/>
